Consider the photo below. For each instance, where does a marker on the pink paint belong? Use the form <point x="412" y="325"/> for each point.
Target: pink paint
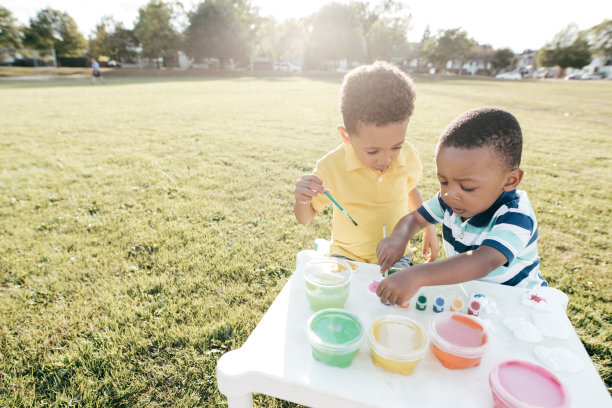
<point x="459" y="333"/>
<point x="537" y="299"/>
<point x="373" y="286"/>
<point x="474" y="308"/>
<point x="521" y="384"/>
<point x="457" y="340"/>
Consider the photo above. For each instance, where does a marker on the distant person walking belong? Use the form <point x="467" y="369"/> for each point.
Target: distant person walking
<point x="95" y="71"/>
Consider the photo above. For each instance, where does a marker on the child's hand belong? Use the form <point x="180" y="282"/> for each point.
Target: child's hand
<point x="399" y="288"/>
<point x="307" y="187"/>
<point x="389" y="250"/>
<point x="431" y="245"/>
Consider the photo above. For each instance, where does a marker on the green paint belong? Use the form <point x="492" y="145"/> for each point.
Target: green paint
<point x="335" y="337"/>
<point x="332" y="359"/>
<point x="327" y="283"/>
<point x="325" y="298"/>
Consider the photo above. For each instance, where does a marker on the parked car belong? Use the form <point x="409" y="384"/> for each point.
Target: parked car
<point x="594" y="75"/>
<point x="113" y="64"/>
<point x="509" y="75"/>
<point x="287" y="67"/>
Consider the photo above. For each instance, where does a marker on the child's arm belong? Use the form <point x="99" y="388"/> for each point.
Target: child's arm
<point x="400" y="287"/>
<point x="306" y="188"/>
<point x="390" y="249"/>
<point x="431" y="245"/>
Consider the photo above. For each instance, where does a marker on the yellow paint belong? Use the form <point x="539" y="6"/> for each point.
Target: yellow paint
<point x="398" y="345"/>
<point x="457" y="305"/>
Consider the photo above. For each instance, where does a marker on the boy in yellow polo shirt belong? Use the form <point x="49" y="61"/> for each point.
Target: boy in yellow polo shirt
<point x="373" y="174"/>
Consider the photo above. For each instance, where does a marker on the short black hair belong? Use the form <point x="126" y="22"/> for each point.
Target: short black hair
<point x="377" y="94"/>
<point x="486" y="126"/>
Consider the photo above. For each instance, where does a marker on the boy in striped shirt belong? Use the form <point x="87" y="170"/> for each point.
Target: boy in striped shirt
<point x="489" y="228"/>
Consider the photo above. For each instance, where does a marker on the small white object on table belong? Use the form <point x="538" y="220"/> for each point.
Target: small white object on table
<point x="276" y="359"/>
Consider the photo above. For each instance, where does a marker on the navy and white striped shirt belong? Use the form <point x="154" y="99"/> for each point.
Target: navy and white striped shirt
<point x="509" y="226"/>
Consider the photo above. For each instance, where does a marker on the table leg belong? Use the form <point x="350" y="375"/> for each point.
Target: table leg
<point x="240" y="401"/>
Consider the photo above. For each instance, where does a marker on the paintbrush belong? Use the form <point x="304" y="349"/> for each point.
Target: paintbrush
<point x="341" y="209"/>
<point x="384" y="236"/>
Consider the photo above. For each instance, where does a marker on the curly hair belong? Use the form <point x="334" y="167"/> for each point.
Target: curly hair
<point x="376" y="94"/>
<point x="486" y="126"/>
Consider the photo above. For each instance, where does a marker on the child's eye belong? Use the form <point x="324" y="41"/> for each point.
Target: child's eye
<point x="374" y="152"/>
<point x="443" y="183"/>
<point x="467" y="189"/>
<point x="397" y="148"/>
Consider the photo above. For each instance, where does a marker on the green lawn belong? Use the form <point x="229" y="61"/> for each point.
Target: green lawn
<point x="146" y="225"/>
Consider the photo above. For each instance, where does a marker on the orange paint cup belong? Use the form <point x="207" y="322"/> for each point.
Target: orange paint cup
<point x="458" y="340"/>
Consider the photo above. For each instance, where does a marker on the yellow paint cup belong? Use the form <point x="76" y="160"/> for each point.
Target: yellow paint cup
<point x="397" y="343"/>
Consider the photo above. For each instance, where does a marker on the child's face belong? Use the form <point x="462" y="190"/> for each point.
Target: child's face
<point x="377" y="146"/>
<point x="471" y="180"/>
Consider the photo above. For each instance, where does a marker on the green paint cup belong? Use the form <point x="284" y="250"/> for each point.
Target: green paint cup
<point x="335" y="336"/>
<point x="328" y="282"/>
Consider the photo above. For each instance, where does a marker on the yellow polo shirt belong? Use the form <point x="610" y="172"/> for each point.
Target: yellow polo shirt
<point x="372" y="198"/>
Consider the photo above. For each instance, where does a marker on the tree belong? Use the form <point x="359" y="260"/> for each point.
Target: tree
<point x="291" y="39"/>
<point x="503" y="59"/>
<point x="10" y="32"/>
<point x="54" y="29"/>
<point x="383" y="28"/>
<point x="333" y="36"/>
<point x="220" y="29"/>
<point x="569" y="48"/>
<point x="155" y="32"/>
<point x="112" y="40"/>
<point x="600" y="39"/>
<point x="448" y="45"/>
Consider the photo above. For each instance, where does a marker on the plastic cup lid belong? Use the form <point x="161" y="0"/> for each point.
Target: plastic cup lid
<point x="523" y="384"/>
<point x="328" y="272"/>
<point x="398" y="338"/>
<point x="460" y="334"/>
<point x="335" y="330"/>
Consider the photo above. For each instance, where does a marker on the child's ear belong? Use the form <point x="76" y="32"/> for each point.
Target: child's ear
<point x="346" y="138"/>
<point x="514" y="179"/>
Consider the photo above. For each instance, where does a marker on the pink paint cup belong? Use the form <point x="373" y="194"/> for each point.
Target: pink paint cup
<point x="521" y="384"/>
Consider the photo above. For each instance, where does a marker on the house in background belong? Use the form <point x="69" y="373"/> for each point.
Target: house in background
<point x="527" y="63"/>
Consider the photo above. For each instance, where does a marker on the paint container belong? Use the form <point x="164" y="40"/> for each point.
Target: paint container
<point x="457" y="305"/>
<point x="397" y="343"/>
<point x="335" y="336"/>
<point x="327" y="282"/>
<point x="474" y="307"/>
<point x="421" y="303"/>
<point x="521" y="384"/>
<point x="482" y="299"/>
<point x="458" y="340"/>
<point x="438" y="304"/>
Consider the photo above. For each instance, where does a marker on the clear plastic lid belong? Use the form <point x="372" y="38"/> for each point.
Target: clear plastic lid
<point x="327" y="272"/>
<point x="335" y="330"/>
<point x="459" y="334"/>
<point x="398" y="338"/>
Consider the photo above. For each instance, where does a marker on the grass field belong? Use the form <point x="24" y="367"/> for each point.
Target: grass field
<point x="146" y="225"/>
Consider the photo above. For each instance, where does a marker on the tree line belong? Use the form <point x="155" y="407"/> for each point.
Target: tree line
<point x="233" y="30"/>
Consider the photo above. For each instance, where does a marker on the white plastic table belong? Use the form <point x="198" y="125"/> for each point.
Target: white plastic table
<point x="276" y="359"/>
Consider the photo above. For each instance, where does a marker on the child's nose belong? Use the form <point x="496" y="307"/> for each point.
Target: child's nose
<point x="386" y="160"/>
<point x="451" y="192"/>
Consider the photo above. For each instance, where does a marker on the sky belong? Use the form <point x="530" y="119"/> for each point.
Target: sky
<point x="516" y="24"/>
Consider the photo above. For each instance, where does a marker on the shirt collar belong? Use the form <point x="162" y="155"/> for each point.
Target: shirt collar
<point x="482" y="219"/>
<point x="353" y="162"/>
